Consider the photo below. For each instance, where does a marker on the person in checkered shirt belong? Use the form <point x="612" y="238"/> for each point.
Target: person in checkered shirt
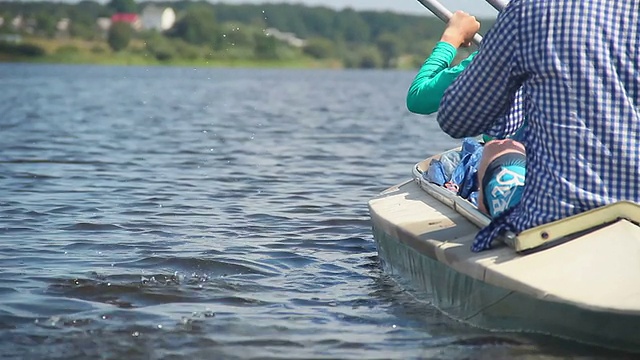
<point x="578" y="63"/>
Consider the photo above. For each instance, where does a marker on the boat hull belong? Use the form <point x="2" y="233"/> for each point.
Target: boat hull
<point x="422" y="240"/>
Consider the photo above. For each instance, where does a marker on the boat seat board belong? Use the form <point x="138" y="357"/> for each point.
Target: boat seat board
<point x="558" y="230"/>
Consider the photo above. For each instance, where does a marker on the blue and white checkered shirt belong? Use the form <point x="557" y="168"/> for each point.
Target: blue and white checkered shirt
<point x="578" y="63"/>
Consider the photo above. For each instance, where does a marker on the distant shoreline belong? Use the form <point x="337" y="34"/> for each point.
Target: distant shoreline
<point x="137" y="61"/>
<point x="74" y="51"/>
<point x="83" y="52"/>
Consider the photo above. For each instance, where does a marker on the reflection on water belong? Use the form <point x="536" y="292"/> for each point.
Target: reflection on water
<point x="174" y="212"/>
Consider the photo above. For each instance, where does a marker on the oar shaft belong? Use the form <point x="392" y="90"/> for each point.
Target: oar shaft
<point x="444" y="14"/>
<point x="498" y="4"/>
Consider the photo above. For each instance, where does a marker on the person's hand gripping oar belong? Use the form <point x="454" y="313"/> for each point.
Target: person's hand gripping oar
<point x="461" y="29"/>
<point x="445" y="15"/>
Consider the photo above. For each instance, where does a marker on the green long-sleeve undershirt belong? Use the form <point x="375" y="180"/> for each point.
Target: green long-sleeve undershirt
<point x="434" y="78"/>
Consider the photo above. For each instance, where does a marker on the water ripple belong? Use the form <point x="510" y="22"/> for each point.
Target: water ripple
<point x="172" y="213"/>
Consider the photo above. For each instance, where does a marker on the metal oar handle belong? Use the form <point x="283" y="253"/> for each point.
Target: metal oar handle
<point x="444" y="14"/>
<point x="498" y="4"/>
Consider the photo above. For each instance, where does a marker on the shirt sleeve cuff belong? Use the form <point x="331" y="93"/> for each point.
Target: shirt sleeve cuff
<point x="446" y="50"/>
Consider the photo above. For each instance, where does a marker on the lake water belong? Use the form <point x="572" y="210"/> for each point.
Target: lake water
<point x="167" y="213"/>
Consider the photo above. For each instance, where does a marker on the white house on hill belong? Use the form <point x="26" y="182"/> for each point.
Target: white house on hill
<point x="156" y="18"/>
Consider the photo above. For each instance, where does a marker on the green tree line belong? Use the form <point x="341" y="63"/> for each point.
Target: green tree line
<point x="203" y="30"/>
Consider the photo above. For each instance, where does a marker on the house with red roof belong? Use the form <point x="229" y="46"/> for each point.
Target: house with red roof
<point x="129" y="18"/>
